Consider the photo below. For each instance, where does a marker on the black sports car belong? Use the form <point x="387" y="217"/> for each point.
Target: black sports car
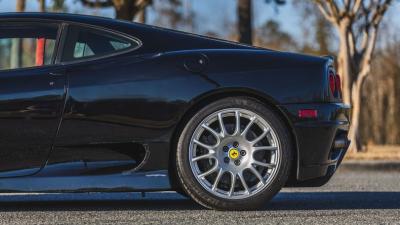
<point x="94" y="104"/>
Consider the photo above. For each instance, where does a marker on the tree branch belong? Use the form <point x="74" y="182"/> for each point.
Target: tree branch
<point x="352" y="42"/>
<point x="371" y="25"/>
<point x="347" y="4"/>
<point x="364" y="40"/>
<point x="379" y="12"/>
<point x="334" y="9"/>
<point x="356" y="7"/>
<point x="370" y="47"/>
<point x="142" y="4"/>
<point x="323" y="9"/>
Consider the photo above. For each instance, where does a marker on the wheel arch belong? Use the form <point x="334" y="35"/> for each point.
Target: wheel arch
<point x="200" y="101"/>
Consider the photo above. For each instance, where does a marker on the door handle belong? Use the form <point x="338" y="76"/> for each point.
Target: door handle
<point x="57" y="74"/>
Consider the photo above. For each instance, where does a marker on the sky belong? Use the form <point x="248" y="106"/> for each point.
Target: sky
<point x="215" y="15"/>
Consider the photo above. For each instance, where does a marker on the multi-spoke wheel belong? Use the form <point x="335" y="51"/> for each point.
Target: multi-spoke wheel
<point x="234" y="154"/>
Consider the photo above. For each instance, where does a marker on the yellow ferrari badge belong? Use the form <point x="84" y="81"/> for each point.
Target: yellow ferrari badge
<point x="233" y="153"/>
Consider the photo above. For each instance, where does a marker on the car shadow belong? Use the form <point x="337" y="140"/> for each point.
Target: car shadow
<point x="172" y="201"/>
<point x="335" y="200"/>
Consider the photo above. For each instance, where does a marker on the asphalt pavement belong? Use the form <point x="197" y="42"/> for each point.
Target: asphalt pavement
<point x="351" y="197"/>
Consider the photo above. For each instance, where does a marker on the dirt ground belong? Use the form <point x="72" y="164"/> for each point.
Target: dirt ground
<point x="376" y="152"/>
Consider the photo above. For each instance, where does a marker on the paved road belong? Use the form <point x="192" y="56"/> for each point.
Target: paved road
<point x="350" y="198"/>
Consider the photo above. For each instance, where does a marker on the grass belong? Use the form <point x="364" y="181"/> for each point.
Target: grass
<point x="376" y="152"/>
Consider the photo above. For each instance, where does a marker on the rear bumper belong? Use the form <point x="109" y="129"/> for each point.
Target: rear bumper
<point x="321" y="142"/>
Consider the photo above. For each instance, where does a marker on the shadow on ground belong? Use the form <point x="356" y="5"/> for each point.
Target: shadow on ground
<point x="172" y="201"/>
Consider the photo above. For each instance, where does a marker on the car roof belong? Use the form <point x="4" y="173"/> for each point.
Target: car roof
<point x="148" y="33"/>
<point x="57" y="16"/>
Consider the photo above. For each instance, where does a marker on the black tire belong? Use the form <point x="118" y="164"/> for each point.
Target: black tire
<point x="194" y="189"/>
<point x="182" y="192"/>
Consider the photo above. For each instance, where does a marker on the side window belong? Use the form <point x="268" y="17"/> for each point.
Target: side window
<point x="23" y="46"/>
<point x="83" y="43"/>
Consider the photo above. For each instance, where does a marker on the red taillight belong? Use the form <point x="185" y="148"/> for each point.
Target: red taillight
<point x="332" y="83"/>
<point x="338" y="84"/>
<point x="308" y="113"/>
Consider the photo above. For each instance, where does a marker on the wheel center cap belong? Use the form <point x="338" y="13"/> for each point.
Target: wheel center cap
<point x="233" y="153"/>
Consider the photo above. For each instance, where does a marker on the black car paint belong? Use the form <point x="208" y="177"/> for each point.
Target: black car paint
<point x="144" y="97"/>
<point x="30" y="111"/>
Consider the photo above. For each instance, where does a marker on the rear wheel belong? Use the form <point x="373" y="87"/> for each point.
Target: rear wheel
<point x="234" y="154"/>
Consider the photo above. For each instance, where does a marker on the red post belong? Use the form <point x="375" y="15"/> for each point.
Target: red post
<point x="40" y="45"/>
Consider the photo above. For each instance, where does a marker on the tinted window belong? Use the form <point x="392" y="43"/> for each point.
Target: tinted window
<point x="24" y="46"/>
<point x="85" y="43"/>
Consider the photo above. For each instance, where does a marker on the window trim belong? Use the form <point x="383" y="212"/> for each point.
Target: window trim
<point x="37" y="23"/>
<point x="100" y="30"/>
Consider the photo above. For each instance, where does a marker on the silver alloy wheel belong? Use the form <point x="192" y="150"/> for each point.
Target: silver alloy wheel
<point x="234" y="153"/>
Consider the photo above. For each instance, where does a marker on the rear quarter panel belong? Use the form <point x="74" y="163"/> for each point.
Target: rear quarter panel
<point x="283" y="78"/>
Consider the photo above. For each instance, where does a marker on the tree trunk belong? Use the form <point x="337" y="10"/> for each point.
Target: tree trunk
<point x="344" y="59"/>
<point x="354" y="133"/>
<point x="352" y="83"/>
<point x="16" y="52"/>
<point x="57" y="6"/>
<point x="42" y="5"/>
<point x="20" y="7"/>
<point x="124" y="14"/>
<point x="245" y="21"/>
<point x="125" y="9"/>
<point x="16" y="44"/>
<point x="141" y="17"/>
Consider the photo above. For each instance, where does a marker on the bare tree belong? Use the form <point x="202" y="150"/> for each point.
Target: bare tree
<point x="174" y="14"/>
<point x="20" y="7"/>
<point x="383" y="99"/>
<point x="357" y="22"/>
<point x="16" y="45"/>
<point x="271" y="35"/>
<point x="322" y="35"/>
<point x="316" y="30"/>
<point x="42" y="5"/>
<point x="59" y="6"/>
<point x="245" y="19"/>
<point x="319" y="44"/>
<point x="141" y="17"/>
<point x="124" y="9"/>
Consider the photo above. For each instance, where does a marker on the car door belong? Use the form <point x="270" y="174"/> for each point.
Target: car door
<point x="92" y="138"/>
<point x="32" y="93"/>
